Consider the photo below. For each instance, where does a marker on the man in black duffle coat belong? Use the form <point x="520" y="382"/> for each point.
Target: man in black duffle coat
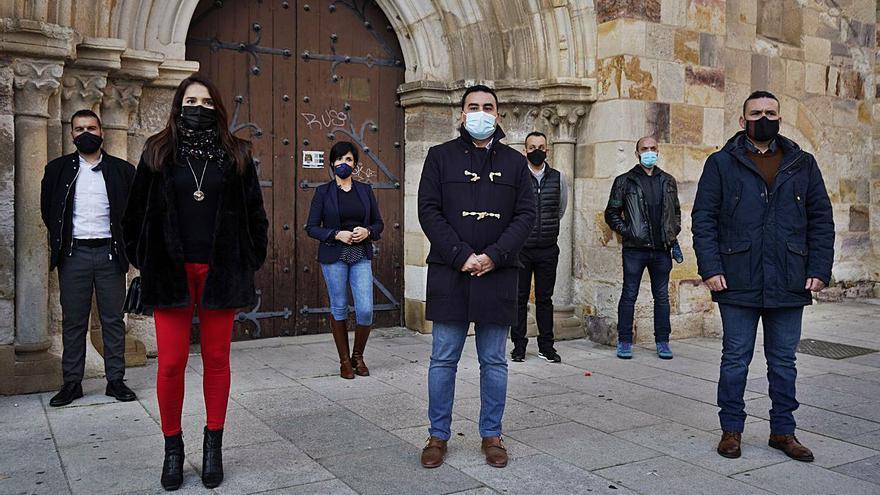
<point x="477" y="207"/>
<point x="82" y="199"/>
<point x="764" y="238"/>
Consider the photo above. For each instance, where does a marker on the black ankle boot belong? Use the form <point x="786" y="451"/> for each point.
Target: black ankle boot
<point x="172" y="468"/>
<point x="212" y="458"/>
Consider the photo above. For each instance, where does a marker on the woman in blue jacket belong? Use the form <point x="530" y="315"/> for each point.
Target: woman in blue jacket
<point x="345" y="217"/>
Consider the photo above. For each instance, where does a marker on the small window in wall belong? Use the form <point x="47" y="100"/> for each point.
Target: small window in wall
<point x="780" y="20"/>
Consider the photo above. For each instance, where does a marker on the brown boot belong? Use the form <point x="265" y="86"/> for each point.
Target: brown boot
<point x="729" y="446"/>
<point x="792" y="447"/>
<point x="433" y="453"/>
<point x="495" y="451"/>
<point x="340" y="336"/>
<point x="361" y="334"/>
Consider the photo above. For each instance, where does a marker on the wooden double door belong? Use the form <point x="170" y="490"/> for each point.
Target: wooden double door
<point x="298" y="76"/>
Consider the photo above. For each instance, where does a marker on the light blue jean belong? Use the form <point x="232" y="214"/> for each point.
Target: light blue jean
<point x="448" y="341"/>
<point x="338" y="277"/>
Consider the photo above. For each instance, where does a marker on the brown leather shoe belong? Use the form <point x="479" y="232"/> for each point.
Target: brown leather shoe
<point x="433" y="453"/>
<point x="361" y="334"/>
<point x="495" y="451"/>
<point x="792" y="447"/>
<point x="729" y="446"/>
<point x="340" y="337"/>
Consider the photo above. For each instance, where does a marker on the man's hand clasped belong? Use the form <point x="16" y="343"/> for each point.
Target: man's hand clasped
<point x="478" y="265"/>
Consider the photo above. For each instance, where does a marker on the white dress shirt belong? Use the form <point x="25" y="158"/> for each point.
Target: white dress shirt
<point x="91" y="207"/>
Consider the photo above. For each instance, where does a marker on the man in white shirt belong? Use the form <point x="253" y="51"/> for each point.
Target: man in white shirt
<point x="82" y="201"/>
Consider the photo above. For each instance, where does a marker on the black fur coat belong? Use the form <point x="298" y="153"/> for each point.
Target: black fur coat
<point x="152" y="240"/>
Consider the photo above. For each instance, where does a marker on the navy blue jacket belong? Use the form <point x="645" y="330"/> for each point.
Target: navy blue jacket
<point x="765" y="241"/>
<point x="324" y="219"/>
<point x="449" y="193"/>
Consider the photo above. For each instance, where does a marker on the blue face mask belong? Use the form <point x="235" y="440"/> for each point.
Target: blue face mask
<point x="649" y="159"/>
<point x="480" y="125"/>
<point x="343" y="170"/>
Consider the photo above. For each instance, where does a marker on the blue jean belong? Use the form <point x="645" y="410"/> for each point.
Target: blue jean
<point x="782" y="332"/>
<point x="448" y="341"/>
<point x="338" y="277"/>
<point x="659" y="264"/>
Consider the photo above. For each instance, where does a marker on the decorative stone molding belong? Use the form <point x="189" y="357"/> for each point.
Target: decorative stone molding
<point x="29" y="38"/>
<point x="121" y="99"/>
<point x="171" y="72"/>
<point x="542" y="92"/>
<point x="81" y="89"/>
<point x="141" y="65"/>
<point x="99" y="54"/>
<point x="564" y="119"/>
<point x="518" y="121"/>
<point x="35" y="81"/>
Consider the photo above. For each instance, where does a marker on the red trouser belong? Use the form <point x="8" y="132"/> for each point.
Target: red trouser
<point x="172" y="338"/>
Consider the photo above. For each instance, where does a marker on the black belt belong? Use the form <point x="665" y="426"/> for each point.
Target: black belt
<point x="92" y="243"/>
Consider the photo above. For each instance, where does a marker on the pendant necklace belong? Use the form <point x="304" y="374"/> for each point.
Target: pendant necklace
<point x="198" y="195"/>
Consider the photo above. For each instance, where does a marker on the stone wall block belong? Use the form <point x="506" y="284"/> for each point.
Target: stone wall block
<point x="609" y="10"/>
<point x="661" y="42"/>
<point x="657" y="124"/>
<point x="708" y="16"/>
<point x="686" y="123"/>
<point x="621" y="37"/>
<point x="674" y="12"/>
<point x="704" y="86"/>
<point x="686" y="47"/>
<point x="670" y="82"/>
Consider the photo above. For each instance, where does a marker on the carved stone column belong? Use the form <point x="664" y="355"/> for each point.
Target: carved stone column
<point x="82" y="90"/>
<point x="563" y="121"/>
<point x="35" y="82"/>
<point x="517" y="123"/>
<point x="121" y="99"/>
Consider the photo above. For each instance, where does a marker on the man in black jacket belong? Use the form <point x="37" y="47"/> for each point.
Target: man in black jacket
<point x="540" y="255"/>
<point x="644" y="209"/>
<point x="763" y="230"/>
<point x="83" y="197"/>
<point x="477" y="208"/>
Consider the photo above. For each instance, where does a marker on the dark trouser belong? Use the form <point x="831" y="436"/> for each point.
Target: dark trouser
<point x="90" y="270"/>
<point x="659" y="264"/>
<point x="542" y="263"/>
<point x="782" y="332"/>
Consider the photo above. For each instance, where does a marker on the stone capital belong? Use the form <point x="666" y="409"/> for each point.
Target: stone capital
<point x="121" y="99"/>
<point x="564" y="120"/>
<point x="518" y="120"/>
<point x="35" y="81"/>
<point x="81" y="90"/>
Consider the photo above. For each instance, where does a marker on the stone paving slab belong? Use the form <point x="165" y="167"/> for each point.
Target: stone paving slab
<point x="806" y="479"/>
<point x="543" y="474"/>
<point x="593" y="424"/>
<point x="670" y="476"/>
<point x="396" y="469"/>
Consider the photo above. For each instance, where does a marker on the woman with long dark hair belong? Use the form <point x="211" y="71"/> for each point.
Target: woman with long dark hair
<point x="345" y="217"/>
<point x="196" y="229"/>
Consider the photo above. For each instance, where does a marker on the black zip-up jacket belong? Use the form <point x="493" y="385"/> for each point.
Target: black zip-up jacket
<point x="58" y="189"/>
<point x="548" y="194"/>
<point x="627" y="211"/>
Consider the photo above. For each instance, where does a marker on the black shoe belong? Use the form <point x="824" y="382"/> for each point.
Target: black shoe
<point x="120" y="391"/>
<point x="68" y="393"/>
<point x="518" y="355"/>
<point x="212" y="458"/>
<point x="172" y="467"/>
<point x="550" y="355"/>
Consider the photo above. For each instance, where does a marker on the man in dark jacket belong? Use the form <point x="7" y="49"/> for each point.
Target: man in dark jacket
<point x="540" y="255"/>
<point x="764" y="238"/>
<point x="644" y="209"/>
<point x="476" y="206"/>
<point x="83" y="197"/>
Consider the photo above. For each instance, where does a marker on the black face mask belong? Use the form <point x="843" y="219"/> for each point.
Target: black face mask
<point x="537" y="157"/>
<point x="197" y="117"/>
<point x="88" y="143"/>
<point x="763" y="129"/>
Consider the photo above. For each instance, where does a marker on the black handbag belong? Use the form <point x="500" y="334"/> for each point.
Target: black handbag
<point x="133" y="303"/>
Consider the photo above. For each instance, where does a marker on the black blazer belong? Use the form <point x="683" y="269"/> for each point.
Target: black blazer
<point x="324" y="219"/>
<point x="57" y="191"/>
